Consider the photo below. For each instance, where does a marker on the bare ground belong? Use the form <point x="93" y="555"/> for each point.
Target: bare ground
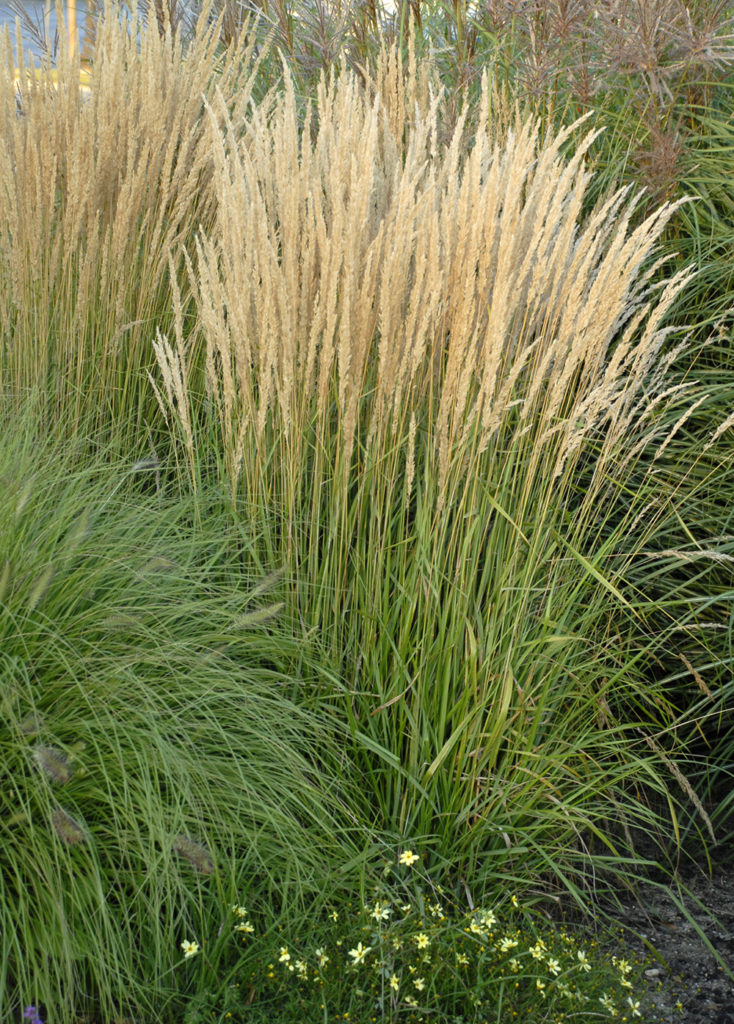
<point x="687" y="983"/>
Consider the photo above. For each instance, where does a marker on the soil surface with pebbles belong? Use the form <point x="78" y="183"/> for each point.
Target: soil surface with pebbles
<point x="688" y="985"/>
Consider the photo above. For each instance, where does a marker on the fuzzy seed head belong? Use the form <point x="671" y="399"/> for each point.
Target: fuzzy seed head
<point x="54" y="763"/>
<point x="68" y="830"/>
<point x="195" y="853"/>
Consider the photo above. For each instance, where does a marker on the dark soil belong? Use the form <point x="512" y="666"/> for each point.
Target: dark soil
<point x="686" y="982"/>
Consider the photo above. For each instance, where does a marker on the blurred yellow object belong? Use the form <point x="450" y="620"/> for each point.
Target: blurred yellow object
<point x="50" y="77"/>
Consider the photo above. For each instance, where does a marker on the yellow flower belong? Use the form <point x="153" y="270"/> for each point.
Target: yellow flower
<point x="634" y="1006"/>
<point x="408" y="858"/>
<point x="321" y="956"/>
<point x="419" y="984"/>
<point x="463" y="959"/>
<point x="411" y="1002"/>
<point x="583" y="960"/>
<point x="537" y="951"/>
<point x="245" y="926"/>
<point x="487" y="918"/>
<point x="623" y="966"/>
<point x="540" y="985"/>
<point x="507" y="944"/>
<point x="513" y="901"/>
<point x="285" y="957"/>
<point x="553" y="966"/>
<point x="394" y="983"/>
<point x="359" y="954"/>
<point x="239" y="911"/>
<point x="422" y="941"/>
<point x="381" y="911"/>
<point x="190" y="949"/>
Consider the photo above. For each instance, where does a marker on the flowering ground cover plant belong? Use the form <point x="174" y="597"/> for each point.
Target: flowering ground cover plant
<point x="407" y="952"/>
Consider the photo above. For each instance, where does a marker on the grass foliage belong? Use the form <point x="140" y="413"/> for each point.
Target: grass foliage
<point x="365" y="483"/>
<point x="155" y="757"/>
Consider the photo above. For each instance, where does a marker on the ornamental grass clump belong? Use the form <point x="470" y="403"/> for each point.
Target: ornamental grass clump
<point x="436" y="390"/>
<point x="98" y="187"/>
<point x="149" y="769"/>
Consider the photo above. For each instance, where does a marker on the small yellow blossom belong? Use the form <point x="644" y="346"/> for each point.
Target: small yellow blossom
<point x="394" y="983"/>
<point x="359" y="953"/>
<point x="540" y="985"/>
<point x="285" y="957"/>
<point x="410" y="1001"/>
<point x="321" y="956"/>
<point x="419" y="983"/>
<point x="583" y="960"/>
<point x="634" y="1005"/>
<point x="381" y="911"/>
<point x="507" y="944"/>
<point x="553" y="966"/>
<point x="487" y="918"/>
<point x="422" y="941"/>
<point x="190" y="949"/>
<point x="408" y="858"/>
<point x="244" y="926"/>
<point x="239" y="911"/>
<point x="301" y="969"/>
<point x="334" y="915"/>
<point x="623" y="966"/>
<point x="537" y="951"/>
<point x="513" y="901"/>
<point x="463" y="959"/>
<point x="608" y="1003"/>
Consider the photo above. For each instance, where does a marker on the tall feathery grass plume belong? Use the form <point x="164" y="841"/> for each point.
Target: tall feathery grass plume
<point x="361" y="268"/>
<point x="434" y="383"/>
<point x="100" y="187"/>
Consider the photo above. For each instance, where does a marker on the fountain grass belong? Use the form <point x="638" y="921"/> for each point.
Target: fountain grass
<point x="157" y="759"/>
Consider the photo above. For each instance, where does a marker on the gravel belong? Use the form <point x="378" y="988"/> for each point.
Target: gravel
<point x="687" y="984"/>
